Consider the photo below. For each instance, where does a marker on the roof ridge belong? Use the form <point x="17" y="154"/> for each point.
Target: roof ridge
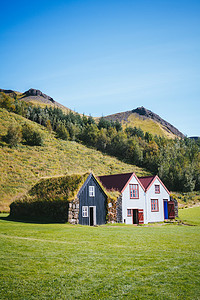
<point x="116" y="174"/>
<point x="147" y="176"/>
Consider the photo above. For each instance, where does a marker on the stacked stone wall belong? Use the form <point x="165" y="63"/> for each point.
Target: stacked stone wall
<point x="119" y="209"/>
<point x="73" y="212"/>
<point x="114" y="209"/>
<point x="175" y="205"/>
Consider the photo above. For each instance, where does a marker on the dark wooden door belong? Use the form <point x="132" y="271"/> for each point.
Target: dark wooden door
<point x="135" y="216"/>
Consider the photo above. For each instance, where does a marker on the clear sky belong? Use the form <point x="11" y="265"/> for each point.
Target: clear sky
<point x="105" y="56"/>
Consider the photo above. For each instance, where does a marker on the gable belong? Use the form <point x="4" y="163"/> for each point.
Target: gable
<point x="146" y="181"/>
<point x="137" y="181"/>
<point x="91" y="180"/>
<point x="157" y="180"/>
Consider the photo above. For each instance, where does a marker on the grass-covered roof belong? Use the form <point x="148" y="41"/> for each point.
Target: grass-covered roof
<point x="57" y="188"/>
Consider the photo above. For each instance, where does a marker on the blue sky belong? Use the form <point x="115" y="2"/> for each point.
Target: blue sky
<point x="103" y="57"/>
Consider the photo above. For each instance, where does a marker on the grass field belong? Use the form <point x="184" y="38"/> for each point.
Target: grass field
<point x="190" y="215"/>
<point x="61" y="261"/>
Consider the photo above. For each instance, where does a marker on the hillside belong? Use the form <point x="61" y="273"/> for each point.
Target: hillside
<point x="35" y="97"/>
<point x="141" y="117"/>
<point x="147" y="121"/>
<point x="23" y="166"/>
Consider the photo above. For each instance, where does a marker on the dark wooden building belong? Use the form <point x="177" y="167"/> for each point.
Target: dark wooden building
<point x="92" y="203"/>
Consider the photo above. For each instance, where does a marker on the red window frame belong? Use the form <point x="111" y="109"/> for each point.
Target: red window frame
<point x="134" y="191"/>
<point x="154" y="205"/>
<point x="129" y="212"/>
<point x="157" y="189"/>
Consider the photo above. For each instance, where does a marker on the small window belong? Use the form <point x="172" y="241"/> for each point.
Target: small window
<point x="84" y="211"/>
<point x="91" y="191"/>
<point x="129" y="213"/>
<point x="154" y="205"/>
<point x="134" y="191"/>
<point x="157" y="189"/>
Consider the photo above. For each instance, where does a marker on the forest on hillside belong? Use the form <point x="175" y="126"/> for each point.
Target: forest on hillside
<point x="176" y="161"/>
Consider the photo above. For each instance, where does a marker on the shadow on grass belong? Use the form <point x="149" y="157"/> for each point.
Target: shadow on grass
<point x="32" y="220"/>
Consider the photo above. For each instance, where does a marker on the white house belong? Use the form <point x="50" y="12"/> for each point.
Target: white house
<point x="144" y="199"/>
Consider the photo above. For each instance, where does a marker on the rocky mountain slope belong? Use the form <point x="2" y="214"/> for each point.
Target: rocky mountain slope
<point x="139" y="117"/>
<point x="36" y="97"/>
<point x="147" y="121"/>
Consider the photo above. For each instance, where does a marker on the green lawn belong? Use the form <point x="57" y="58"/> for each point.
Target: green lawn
<point x="190" y="215"/>
<point x="61" y="261"/>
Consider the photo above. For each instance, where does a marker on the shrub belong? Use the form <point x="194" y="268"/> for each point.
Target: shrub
<point x="14" y="135"/>
<point x="62" y="132"/>
<point x="31" y="136"/>
<point x="55" y="211"/>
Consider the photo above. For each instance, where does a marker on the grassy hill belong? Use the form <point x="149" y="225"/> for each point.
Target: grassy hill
<point x="141" y="117"/>
<point x="147" y="125"/>
<point x="37" y="98"/>
<point x="147" y="121"/>
<point x="23" y="166"/>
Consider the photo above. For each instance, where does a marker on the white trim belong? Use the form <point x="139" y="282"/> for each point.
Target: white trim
<point x="84" y="211"/>
<point x="91" y="191"/>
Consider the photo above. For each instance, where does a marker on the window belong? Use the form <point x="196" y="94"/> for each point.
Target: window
<point x="157" y="189"/>
<point x="84" y="211"/>
<point x="134" y="191"/>
<point x="154" y="205"/>
<point x="129" y="213"/>
<point x="91" y="191"/>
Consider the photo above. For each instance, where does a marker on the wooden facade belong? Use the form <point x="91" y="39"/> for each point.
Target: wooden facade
<point x="92" y="203"/>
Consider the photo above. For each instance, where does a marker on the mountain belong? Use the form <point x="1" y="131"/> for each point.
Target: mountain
<point x="147" y="121"/>
<point x="139" y="117"/>
<point x="35" y="97"/>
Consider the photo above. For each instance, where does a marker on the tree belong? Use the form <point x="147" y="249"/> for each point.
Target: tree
<point x="32" y="137"/>
<point x="48" y="126"/>
<point x="134" y="151"/>
<point x="7" y="102"/>
<point x="102" y="139"/>
<point x="62" y="132"/>
<point x="14" y="135"/>
<point x="118" y="125"/>
<point x="89" y="134"/>
<point x="103" y="123"/>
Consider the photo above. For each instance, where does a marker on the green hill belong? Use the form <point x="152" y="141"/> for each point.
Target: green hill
<point x="22" y="166"/>
<point x="140" y="117"/>
<point x="148" y="121"/>
<point x="35" y="97"/>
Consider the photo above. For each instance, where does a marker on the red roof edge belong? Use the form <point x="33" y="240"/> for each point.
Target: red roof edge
<point x="156" y="177"/>
<point x="130" y="180"/>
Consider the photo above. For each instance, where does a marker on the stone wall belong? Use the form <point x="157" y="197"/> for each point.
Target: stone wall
<point x="175" y="205"/>
<point x="119" y="209"/>
<point x="114" y="209"/>
<point x="111" y="211"/>
<point x="73" y="212"/>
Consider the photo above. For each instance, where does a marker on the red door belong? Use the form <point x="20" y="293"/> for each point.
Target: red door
<point x="140" y="216"/>
<point x="171" y="211"/>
